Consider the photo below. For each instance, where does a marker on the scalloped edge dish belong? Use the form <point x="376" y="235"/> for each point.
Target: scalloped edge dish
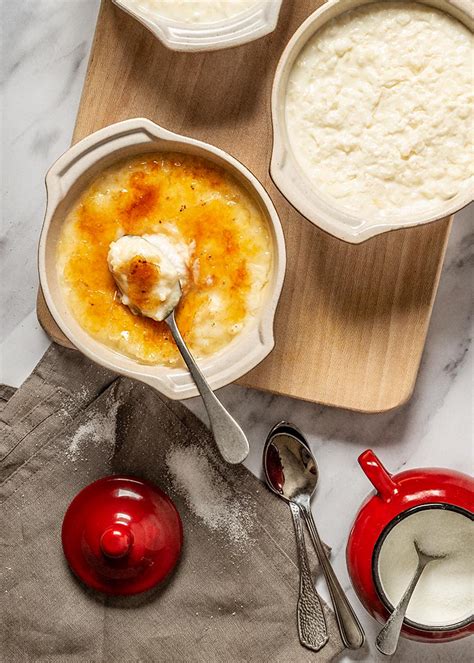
<point x="290" y="178"/>
<point x="242" y="28"/>
<point x="67" y="179"/>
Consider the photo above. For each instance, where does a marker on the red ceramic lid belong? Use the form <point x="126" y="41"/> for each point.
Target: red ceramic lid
<point x="122" y="535"/>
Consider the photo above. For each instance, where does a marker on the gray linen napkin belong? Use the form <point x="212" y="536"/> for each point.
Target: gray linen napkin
<point x="234" y="592"/>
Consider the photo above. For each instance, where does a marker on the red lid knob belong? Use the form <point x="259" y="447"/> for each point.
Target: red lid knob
<point x="116" y="541"/>
<point x="121" y="535"/>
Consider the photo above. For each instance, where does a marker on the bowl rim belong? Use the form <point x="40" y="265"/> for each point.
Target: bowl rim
<point x="288" y="175"/>
<point x="233" y="361"/>
<point x="247" y="26"/>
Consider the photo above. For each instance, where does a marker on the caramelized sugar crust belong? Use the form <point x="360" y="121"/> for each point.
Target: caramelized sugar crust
<point x="187" y="198"/>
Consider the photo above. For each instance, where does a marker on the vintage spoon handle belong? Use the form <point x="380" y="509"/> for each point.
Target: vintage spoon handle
<point x="229" y="437"/>
<point x="312" y="628"/>
<point x="351" y="631"/>
<point x="387" y="640"/>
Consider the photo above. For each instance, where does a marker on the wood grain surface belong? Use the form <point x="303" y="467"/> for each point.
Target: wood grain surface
<point x="352" y="320"/>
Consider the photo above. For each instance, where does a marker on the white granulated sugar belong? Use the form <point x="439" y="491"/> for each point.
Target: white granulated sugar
<point x="208" y="496"/>
<point x="98" y="428"/>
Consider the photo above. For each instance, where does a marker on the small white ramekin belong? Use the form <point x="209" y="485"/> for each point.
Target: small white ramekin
<point x="65" y="182"/>
<point x="247" y="26"/>
<point x="290" y="178"/>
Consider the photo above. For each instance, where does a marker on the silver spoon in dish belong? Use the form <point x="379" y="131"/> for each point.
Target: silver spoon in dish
<point x="230" y="438"/>
<point x="293" y="474"/>
<point x="160" y="305"/>
<point x="387" y="640"/>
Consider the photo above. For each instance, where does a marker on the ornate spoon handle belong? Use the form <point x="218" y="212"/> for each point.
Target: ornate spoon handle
<point x="351" y="631"/>
<point x="312" y="628"/>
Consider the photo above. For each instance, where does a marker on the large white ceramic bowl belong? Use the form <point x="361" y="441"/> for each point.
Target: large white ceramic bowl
<point x="246" y="26"/>
<point x="290" y="178"/>
<point x="65" y="182"/>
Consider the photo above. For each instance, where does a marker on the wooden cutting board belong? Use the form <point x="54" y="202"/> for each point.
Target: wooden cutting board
<point x="352" y="320"/>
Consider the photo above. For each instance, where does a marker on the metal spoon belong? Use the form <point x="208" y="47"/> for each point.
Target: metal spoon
<point x="230" y="438"/>
<point x="387" y="640"/>
<point x="312" y="629"/>
<point x="298" y="473"/>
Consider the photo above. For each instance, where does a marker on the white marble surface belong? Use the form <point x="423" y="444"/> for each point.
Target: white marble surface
<point x="45" y="49"/>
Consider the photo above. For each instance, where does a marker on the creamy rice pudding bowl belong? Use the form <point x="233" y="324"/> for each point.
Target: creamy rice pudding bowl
<point x="194" y="11"/>
<point x="140" y="219"/>
<point x="204" y="25"/>
<point x="375" y="109"/>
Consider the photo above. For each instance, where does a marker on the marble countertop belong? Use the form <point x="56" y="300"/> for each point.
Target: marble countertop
<point x="46" y="46"/>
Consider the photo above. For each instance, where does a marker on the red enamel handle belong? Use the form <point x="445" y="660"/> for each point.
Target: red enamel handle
<point x="378" y="475"/>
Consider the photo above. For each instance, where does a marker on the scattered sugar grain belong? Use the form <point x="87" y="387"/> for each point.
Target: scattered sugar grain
<point x="99" y="428"/>
<point x="208" y="495"/>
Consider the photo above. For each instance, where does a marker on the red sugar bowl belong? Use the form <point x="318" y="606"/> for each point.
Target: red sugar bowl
<point x="395" y="498"/>
<point x="121" y="535"/>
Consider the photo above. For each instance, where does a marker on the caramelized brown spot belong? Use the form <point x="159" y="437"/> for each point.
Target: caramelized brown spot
<point x="140" y="202"/>
<point x="142" y="277"/>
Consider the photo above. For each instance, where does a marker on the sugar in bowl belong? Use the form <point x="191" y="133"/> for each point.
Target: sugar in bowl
<point x="433" y="507"/>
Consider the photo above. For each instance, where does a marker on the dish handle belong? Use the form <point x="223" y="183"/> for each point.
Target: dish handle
<point x="378" y="476"/>
<point x="95" y="147"/>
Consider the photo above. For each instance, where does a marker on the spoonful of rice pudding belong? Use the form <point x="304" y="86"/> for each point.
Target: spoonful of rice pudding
<point x="151" y="272"/>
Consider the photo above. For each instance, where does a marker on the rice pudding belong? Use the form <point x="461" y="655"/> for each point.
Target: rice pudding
<point x="194" y="212"/>
<point x="193" y="11"/>
<point x="150" y="272"/>
<point x="379" y="108"/>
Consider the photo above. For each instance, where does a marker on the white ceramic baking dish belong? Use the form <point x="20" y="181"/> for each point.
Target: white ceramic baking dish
<point x="246" y="26"/>
<point x="65" y="182"/>
<point x="289" y="176"/>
